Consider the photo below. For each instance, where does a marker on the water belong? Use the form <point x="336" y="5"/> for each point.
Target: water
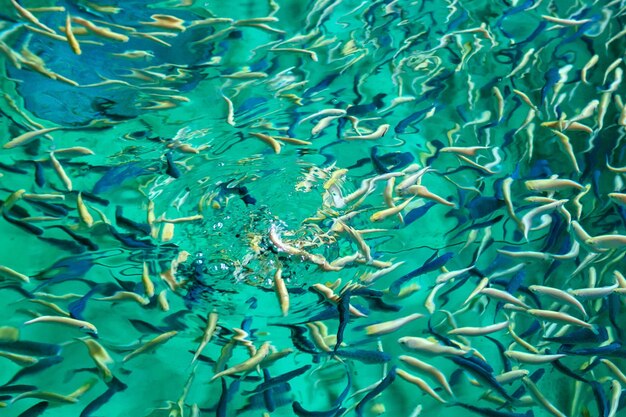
<point x="183" y="189"/>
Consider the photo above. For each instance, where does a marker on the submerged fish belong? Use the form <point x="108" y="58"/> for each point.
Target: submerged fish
<point x="483" y="139"/>
<point x="430" y="265"/>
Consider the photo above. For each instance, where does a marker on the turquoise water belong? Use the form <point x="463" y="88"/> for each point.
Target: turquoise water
<point x="448" y="164"/>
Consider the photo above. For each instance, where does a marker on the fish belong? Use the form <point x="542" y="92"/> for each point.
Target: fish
<point x="166" y="22"/>
<point x="49" y="208"/>
<point x="26" y="347"/>
<point x="247" y="365"/>
<point x="378" y="389"/>
<point x="9" y="273"/>
<point x="559" y="366"/>
<point x="246" y="75"/>
<point x="21" y="360"/>
<point x="530" y="132"/>
<point x="119" y="296"/>
<point x="389" y="162"/>
<point x="269" y="140"/>
<point x="68" y="321"/>
<point x="129" y="240"/>
<point x="150" y="345"/>
<point x="129" y="224"/>
<point x="28" y="137"/>
<point x="302" y="412"/>
<point x="479" y="331"/>
<point x="417" y="213"/>
<point x="425" y="367"/>
<point x="207" y="335"/>
<point x="71" y="39"/>
<point x="357" y="237"/>
<point x="298" y="339"/>
<point x="287" y="376"/>
<point x="580" y="335"/>
<point x="148" y="285"/>
<point x="420" y="344"/>
<point x="88" y="243"/>
<point x="134" y="54"/>
<point x="390" y="326"/>
<point x="61" y="172"/>
<point x="510" y="376"/>
<point x="27" y="227"/>
<point x="180" y="219"/>
<point x="26" y="14"/>
<point x="611" y="349"/>
<point x="35" y="410"/>
<point x="343" y="307"/>
<point x="533" y="358"/>
<point x="538" y="396"/>
<point x="40" y="178"/>
<point x="281" y="292"/>
<point x="559" y="317"/>
<point x="113" y="387"/>
<point x="100" y="357"/>
<point x="601" y="401"/>
<point x="616" y="371"/>
<point x="226" y="396"/>
<point x="41" y="197"/>
<point x="383" y="214"/>
<point x="556" y="184"/>
<point x="593" y="293"/>
<point x="421" y="191"/>
<point x="431" y="264"/>
<point x="503" y="296"/>
<point x="66" y="269"/>
<point x="100" y="30"/>
<point x="41" y="365"/>
<point x="565" y="22"/>
<point x="172" y="170"/>
<point x="377" y="134"/>
<point x="560" y="295"/>
<point x="117" y="175"/>
<point x="483" y="373"/>
<point x="333" y="298"/>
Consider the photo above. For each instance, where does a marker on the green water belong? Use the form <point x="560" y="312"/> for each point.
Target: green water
<point x="179" y="108"/>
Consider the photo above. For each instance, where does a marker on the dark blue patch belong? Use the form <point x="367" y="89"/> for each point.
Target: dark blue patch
<point x="343" y="308"/>
<point x="430" y="265"/>
<point x="43" y="364"/>
<point x="483" y="206"/>
<point x="482" y="371"/>
<point x="322" y="85"/>
<point x="378" y="389"/>
<point x="114" y="386"/>
<point x="36" y="410"/>
<point x="129" y="224"/>
<point x="417" y="213"/>
<point x="40" y="177"/>
<point x="115" y="176"/>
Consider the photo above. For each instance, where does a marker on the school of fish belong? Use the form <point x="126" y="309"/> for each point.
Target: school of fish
<point x="314" y="208"/>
